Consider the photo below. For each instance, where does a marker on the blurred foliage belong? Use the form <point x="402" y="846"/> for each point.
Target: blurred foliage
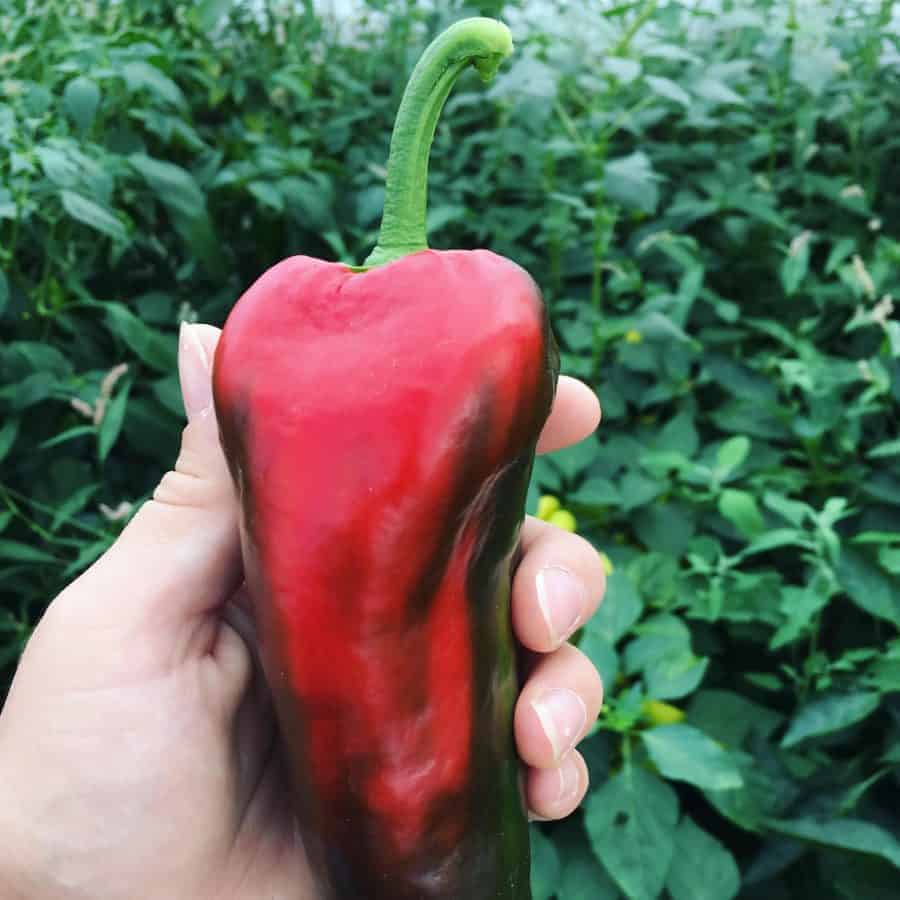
<point x="707" y="194"/>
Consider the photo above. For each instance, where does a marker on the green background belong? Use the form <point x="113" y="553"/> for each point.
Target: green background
<point x="707" y="193"/>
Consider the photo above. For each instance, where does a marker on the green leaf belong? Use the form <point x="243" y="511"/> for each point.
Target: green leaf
<point x="659" y="463"/>
<point x="675" y="676"/>
<point x="597" y="492"/>
<point x="846" y="834"/>
<point x="267" y="194"/>
<point x="602" y="654"/>
<point x="772" y="540"/>
<point x="758" y="206"/>
<point x="58" y="165"/>
<point x="572" y="461"/>
<point x="889" y="559"/>
<point x="15" y="551"/>
<point x="792" y="510"/>
<point x="156" y="307"/>
<point x="702" y="868"/>
<point x="67" y="167"/>
<point x="716" y="92"/>
<point x="669" y="89"/>
<point x="662" y="652"/>
<point x="310" y="201"/>
<point x="31" y="390"/>
<point x="621" y="68"/>
<point x="730" y="718"/>
<point x="885" y="673"/>
<point x="39" y="356"/>
<point x="140" y="74"/>
<point x="892" y="333"/>
<point x="87" y="554"/>
<point x="4" y="292"/>
<point x="825" y="715"/>
<point x="81" y="98"/>
<point x="637" y="489"/>
<point x="111" y="426"/>
<point x="174" y="186"/>
<point x="168" y="391"/>
<point x="621" y="608"/>
<point x="883" y="486"/>
<point x="185" y="202"/>
<point x="8" y="431"/>
<point x="796" y="264"/>
<point x="655" y="325"/>
<point x="156" y="349"/>
<point x="879" y="451"/>
<point x="870" y="588"/>
<point x="741" y="510"/>
<point x="630" y="822"/>
<point x="583" y="878"/>
<point x="679" y="434"/>
<point x="441" y="215"/>
<point x="73" y="505"/>
<point x="68" y="435"/>
<point x="683" y="753"/>
<point x="209" y="13"/>
<point x="545" y="868"/>
<point x="732" y="453"/>
<point x="665" y="527"/>
<point x="631" y="181"/>
<point x="768" y="790"/>
<point x="741" y="380"/>
<point x="876" y="537"/>
<point x="765" y="681"/>
<point x="857" y="877"/>
<point x="8" y="207"/>
<point x="93" y="215"/>
<point x="799" y="606"/>
<point x="838" y="253"/>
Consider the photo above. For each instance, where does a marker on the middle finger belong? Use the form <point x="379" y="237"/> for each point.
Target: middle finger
<point x="557" y="586"/>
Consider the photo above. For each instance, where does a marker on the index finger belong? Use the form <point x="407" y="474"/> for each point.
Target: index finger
<point x="575" y="415"/>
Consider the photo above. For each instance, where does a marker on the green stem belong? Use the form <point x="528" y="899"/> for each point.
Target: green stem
<point x="479" y="42"/>
<point x="644" y="16"/>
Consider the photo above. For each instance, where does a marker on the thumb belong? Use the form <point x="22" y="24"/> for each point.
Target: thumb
<point x="179" y="557"/>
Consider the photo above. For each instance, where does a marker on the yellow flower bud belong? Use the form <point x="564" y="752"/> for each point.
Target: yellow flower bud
<point x="658" y="713"/>
<point x="633" y="336"/>
<point x="608" y="567"/>
<point x="547" y="505"/>
<point x="562" y="518"/>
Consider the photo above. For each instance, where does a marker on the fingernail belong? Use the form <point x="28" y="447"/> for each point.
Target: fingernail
<point x="194" y="373"/>
<point x="563" y="716"/>
<point x="561" y="598"/>
<point x="569" y="782"/>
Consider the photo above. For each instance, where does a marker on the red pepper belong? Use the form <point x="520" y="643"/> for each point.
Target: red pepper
<point x="380" y="424"/>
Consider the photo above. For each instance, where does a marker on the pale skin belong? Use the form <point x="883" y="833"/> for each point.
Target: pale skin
<point x="138" y="752"/>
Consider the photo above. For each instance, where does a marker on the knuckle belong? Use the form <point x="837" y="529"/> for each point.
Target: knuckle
<point x="179" y="488"/>
<point x="191" y="483"/>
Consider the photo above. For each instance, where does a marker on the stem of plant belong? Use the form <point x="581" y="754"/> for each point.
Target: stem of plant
<point x="640" y="20"/>
<point x="479" y="42"/>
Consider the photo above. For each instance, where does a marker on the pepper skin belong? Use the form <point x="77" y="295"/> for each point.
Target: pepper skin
<point x="380" y="424"/>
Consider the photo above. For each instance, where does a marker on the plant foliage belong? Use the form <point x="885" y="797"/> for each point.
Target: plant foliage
<point x="707" y="194"/>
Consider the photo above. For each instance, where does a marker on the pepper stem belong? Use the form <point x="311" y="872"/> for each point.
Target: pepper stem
<point x="479" y="42"/>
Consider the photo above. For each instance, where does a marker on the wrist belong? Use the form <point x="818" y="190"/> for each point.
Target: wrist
<point x="16" y="881"/>
<point x="22" y="876"/>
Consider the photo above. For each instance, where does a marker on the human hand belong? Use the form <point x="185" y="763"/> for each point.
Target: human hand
<point x="138" y="752"/>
